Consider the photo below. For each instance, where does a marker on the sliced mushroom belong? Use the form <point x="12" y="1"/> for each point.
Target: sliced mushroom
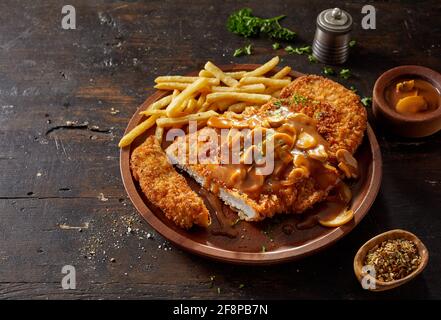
<point x="306" y="141"/>
<point x="347" y="163"/>
<point x="318" y="153"/>
<point x="276" y="122"/>
<point x="302" y="118"/>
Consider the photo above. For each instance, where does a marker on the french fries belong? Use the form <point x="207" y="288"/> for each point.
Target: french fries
<point x="219" y="74"/>
<point x="235" y="75"/>
<point x="171" y="122"/>
<point x="264" y="68"/>
<point x="239" y="96"/>
<point x="276" y="83"/>
<point x="176" y="106"/>
<point x="158" y="113"/>
<point x="181" y="79"/>
<point x="159" y="132"/>
<point x="282" y="73"/>
<point x="213" y="91"/>
<point x="137" y="131"/>
<point x="253" y="88"/>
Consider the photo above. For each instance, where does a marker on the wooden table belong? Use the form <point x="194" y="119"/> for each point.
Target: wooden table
<point x="66" y="97"/>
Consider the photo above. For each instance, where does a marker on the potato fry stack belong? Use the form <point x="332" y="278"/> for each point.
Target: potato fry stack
<point x="210" y="93"/>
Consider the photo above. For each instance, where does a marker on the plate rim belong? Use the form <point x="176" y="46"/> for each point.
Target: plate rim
<point x="250" y="258"/>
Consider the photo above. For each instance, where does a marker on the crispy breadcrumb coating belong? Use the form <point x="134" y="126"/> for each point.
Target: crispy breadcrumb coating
<point x="341" y="118"/>
<point x="166" y="188"/>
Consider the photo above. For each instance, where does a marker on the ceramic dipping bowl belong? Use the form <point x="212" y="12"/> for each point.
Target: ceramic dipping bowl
<point x="406" y="125"/>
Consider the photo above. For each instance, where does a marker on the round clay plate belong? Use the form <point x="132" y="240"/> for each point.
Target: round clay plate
<point x="282" y="238"/>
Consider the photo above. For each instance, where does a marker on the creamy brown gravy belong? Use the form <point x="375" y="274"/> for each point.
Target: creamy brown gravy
<point x="299" y="151"/>
<point x="410" y="96"/>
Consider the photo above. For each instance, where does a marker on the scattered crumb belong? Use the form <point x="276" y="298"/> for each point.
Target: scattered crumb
<point x="114" y="111"/>
<point x="65" y="226"/>
<point x="102" y="197"/>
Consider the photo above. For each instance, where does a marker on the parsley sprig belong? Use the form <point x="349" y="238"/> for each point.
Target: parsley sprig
<point x="244" y="23"/>
<point x="242" y="51"/>
<point x="299" y="50"/>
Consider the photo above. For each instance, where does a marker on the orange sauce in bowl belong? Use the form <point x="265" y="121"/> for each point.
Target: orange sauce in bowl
<point x="412" y="96"/>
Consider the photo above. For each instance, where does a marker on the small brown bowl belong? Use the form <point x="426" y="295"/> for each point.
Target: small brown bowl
<point x="413" y="126"/>
<point x="389" y="235"/>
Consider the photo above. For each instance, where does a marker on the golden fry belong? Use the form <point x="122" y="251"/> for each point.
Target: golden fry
<point x="277" y="83"/>
<point x="159" y="132"/>
<point x="282" y="73"/>
<point x="171" y="86"/>
<point x="235" y="75"/>
<point x="154" y="112"/>
<point x="239" y="96"/>
<point x="252" y="88"/>
<point x="177" y="105"/>
<point x="137" y="131"/>
<point x="191" y="106"/>
<point x="161" y="103"/>
<point x="175" y="93"/>
<point x="263" y="68"/>
<point x="201" y="100"/>
<point x="182" y="79"/>
<point x="219" y="74"/>
<point x="170" y="122"/>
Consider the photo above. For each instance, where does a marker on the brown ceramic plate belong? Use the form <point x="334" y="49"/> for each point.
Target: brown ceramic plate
<point x="283" y="238"/>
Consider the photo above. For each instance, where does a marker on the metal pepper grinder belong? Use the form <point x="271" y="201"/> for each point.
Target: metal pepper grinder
<point x="332" y="36"/>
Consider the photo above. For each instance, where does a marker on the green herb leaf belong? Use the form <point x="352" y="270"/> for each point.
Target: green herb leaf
<point x="276" y="46"/>
<point x="367" y="101"/>
<point x="245" y="24"/>
<point x="278" y="103"/>
<point x="312" y="59"/>
<point x="345" y="73"/>
<point x="298" y="99"/>
<point x="299" y="50"/>
<point x="289" y="49"/>
<point x="247" y="49"/>
<point x="352" y="88"/>
<point x="328" y="71"/>
<point x="241" y="286"/>
<point x="242" y="51"/>
<point x="352" y="43"/>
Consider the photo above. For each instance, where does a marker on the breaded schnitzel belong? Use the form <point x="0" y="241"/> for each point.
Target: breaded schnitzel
<point x="166" y="188"/>
<point x="341" y="118"/>
<point x="301" y="175"/>
<point x="337" y="115"/>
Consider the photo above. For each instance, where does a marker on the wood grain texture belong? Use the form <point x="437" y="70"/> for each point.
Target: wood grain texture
<point x="59" y="155"/>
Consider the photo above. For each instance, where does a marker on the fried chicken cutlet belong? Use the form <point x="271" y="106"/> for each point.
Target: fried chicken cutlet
<point x="166" y="188"/>
<point x="301" y="174"/>
<point x="341" y="118"/>
<point x="333" y="111"/>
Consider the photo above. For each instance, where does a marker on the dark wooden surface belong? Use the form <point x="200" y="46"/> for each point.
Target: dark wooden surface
<point x="55" y="174"/>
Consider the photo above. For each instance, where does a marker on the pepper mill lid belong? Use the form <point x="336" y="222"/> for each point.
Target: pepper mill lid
<point x="335" y="20"/>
